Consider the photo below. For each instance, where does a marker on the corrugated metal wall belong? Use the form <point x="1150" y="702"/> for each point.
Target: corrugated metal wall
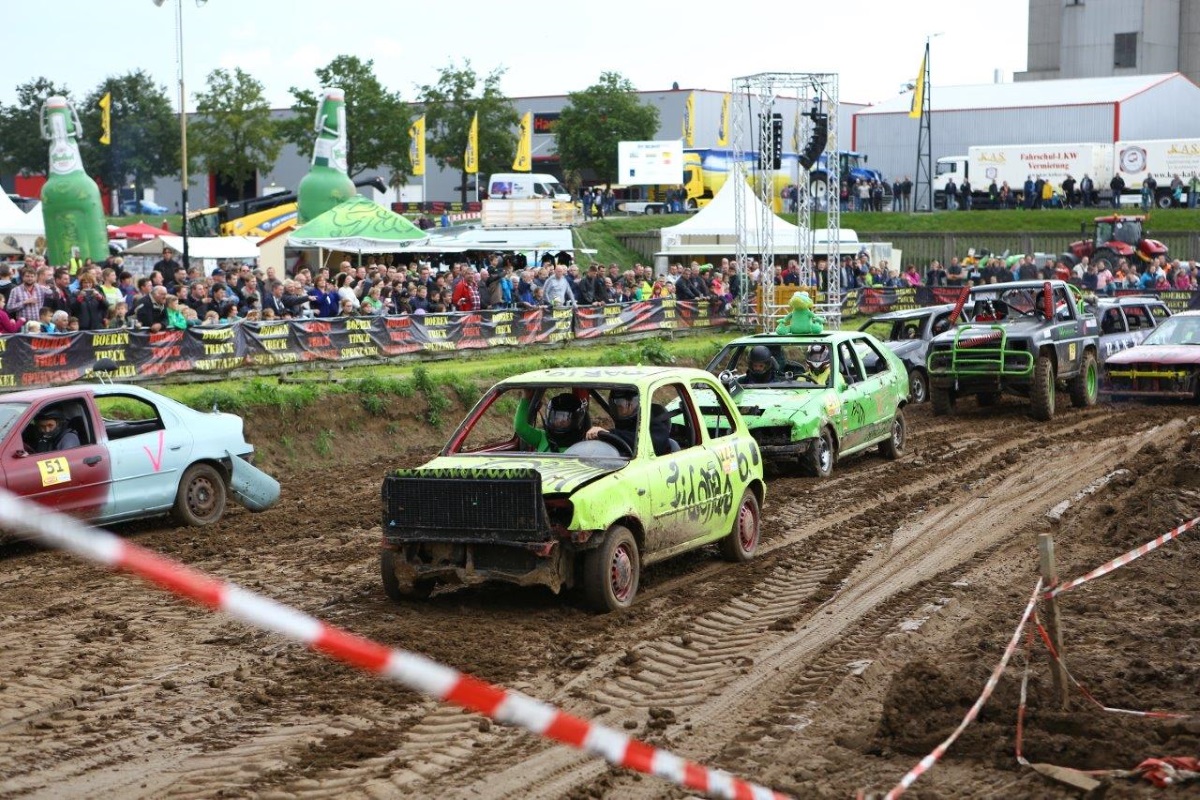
<point x="891" y="139"/>
<point x="1167" y="111"/>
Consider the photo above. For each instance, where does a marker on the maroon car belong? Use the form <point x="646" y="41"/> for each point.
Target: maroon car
<point x="1165" y="364"/>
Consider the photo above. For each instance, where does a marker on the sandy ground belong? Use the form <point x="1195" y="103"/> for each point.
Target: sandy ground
<point x="880" y="602"/>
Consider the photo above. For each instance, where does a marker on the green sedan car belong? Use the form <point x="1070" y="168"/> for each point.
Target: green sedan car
<point x="815" y="398"/>
<point x="568" y="477"/>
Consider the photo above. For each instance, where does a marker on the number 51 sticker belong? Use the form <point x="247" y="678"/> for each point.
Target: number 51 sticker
<point x="54" y="471"/>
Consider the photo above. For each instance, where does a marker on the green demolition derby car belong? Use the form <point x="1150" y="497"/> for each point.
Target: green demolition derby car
<point x="815" y="398"/>
<point x="568" y="477"/>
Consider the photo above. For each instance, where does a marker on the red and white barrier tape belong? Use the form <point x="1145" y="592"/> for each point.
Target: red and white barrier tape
<point x="26" y="519"/>
<point x="1121" y="561"/>
<point x="1084" y="691"/>
<point x="926" y="763"/>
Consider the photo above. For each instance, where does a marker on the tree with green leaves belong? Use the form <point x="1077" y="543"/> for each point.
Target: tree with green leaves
<point x="22" y="149"/>
<point x="234" y="135"/>
<point x="596" y="119"/>
<point x="377" y="119"/>
<point x="145" y="132"/>
<point x="450" y="105"/>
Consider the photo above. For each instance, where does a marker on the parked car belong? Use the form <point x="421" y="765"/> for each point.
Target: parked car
<point x="127" y="453"/>
<point x="1126" y="321"/>
<point x="131" y="207"/>
<point x="1165" y="364"/>
<point x="521" y="495"/>
<point x="820" y="398"/>
<point x="908" y="334"/>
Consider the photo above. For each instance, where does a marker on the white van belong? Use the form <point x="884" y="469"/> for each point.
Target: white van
<point x="526" y="186"/>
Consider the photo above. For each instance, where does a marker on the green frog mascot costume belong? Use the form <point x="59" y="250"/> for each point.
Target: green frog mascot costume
<point x="801" y="319"/>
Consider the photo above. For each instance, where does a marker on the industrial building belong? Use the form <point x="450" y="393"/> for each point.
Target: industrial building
<point x="1045" y="112"/>
<point x="1110" y="38"/>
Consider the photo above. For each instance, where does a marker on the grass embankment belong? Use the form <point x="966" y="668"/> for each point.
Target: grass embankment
<point x="438" y="384"/>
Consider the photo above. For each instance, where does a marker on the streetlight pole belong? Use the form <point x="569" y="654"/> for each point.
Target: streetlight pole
<point x="182" y="119"/>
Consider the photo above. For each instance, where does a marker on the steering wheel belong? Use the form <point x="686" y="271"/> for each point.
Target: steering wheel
<point x="622" y="447"/>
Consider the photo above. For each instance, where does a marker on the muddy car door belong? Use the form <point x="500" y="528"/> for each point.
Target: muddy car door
<point x="692" y="496"/>
<point x="855" y="409"/>
<point x="150" y="449"/>
<point x="74" y="479"/>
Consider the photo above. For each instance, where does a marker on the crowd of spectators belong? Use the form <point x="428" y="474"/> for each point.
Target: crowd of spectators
<point x="40" y="299"/>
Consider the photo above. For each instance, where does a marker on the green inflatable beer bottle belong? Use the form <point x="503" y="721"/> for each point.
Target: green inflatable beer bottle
<point x="326" y="184"/>
<point x="71" y="208"/>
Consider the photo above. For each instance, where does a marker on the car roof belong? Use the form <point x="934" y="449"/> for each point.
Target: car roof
<point x="600" y="376"/>
<point x="912" y="312"/>
<point x="1129" y="298"/>
<point x="831" y="337"/>
<point x="48" y="393"/>
<point x="991" y="287"/>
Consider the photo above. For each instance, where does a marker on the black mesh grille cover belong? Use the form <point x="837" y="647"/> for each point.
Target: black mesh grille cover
<point x="485" y="505"/>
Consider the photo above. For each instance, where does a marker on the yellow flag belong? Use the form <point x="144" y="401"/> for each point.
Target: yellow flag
<point x="723" y="124"/>
<point x="416" y="146"/>
<point x="689" y="121"/>
<point x="471" y="157"/>
<point x="106" y="118"/>
<point x="524" y="160"/>
<point x="796" y="130"/>
<point x="918" y="101"/>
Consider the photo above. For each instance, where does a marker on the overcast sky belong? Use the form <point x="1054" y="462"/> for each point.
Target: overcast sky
<point x="546" y="47"/>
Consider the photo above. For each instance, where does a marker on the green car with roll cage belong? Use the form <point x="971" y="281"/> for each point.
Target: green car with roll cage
<point x="517" y="498"/>
<point x="856" y="403"/>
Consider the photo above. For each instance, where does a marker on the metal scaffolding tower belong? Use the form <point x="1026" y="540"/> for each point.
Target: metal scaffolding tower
<point x="924" y="187"/>
<point x="757" y="100"/>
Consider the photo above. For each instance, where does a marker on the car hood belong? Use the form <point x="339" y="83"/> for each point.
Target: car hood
<point x="560" y="473"/>
<point x="1158" y="354"/>
<point x="762" y="407"/>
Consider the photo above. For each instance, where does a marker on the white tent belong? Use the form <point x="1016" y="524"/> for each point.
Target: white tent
<point x="214" y="247"/>
<point x="713" y="230"/>
<point x="521" y="240"/>
<point x="21" y="228"/>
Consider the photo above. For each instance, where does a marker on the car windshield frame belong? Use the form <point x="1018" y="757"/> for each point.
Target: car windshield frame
<point x="730" y="360"/>
<point x="10" y="413"/>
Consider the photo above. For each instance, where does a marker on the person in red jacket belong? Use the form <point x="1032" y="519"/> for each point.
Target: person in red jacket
<point x="466" y="293"/>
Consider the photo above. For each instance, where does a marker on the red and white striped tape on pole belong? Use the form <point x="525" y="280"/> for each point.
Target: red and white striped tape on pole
<point x="1084" y="690"/>
<point x="26" y="519"/>
<point x="1121" y="561"/>
<point x="926" y="763"/>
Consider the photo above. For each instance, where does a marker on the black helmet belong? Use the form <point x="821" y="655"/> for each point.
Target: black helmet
<point x="761" y="364"/>
<point x="566" y="420"/>
<point x="623" y="404"/>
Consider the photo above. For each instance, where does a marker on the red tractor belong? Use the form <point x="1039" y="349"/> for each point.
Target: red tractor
<point x="1115" y="237"/>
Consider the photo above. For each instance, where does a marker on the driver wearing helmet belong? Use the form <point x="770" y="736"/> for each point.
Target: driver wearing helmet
<point x="624" y="404"/>
<point x="564" y="422"/>
<point x="53" y="433"/>
<point x="761" y="367"/>
<point x="817" y="364"/>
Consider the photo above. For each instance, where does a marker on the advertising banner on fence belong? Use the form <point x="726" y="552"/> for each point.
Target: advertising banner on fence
<point x="38" y="360"/>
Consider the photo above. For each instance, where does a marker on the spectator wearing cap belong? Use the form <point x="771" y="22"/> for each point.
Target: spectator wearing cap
<point x="167" y="265"/>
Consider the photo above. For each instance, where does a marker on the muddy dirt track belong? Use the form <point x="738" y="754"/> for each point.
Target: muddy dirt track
<point x="879" y="604"/>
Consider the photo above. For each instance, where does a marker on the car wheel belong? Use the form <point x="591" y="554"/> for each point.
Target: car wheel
<point x="1085" y="387"/>
<point x="987" y="399"/>
<point x="818" y="461"/>
<point x="1041" y="396"/>
<point x="200" y="499"/>
<point x="742" y="541"/>
<point x="395" y="590"/>
<point x="611" y="572"/>
<point x="942" y="398"/>
<point x="893" y="447"/>
<point x="918" y="386"/>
